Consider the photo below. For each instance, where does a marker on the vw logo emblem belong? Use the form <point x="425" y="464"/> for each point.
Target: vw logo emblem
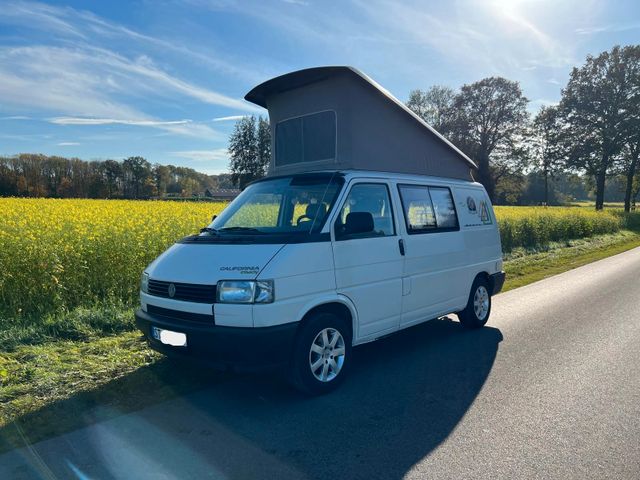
<point x="172" y="290"/>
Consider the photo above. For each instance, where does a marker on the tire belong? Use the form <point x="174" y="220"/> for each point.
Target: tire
<point x="324" y="341"/>
<point x="476" y="313"/>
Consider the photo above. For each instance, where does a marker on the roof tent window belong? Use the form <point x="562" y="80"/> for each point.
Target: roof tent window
<point x="310" y="138"/>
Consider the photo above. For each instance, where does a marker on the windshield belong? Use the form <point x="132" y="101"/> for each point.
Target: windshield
<point x="295" y="204"/>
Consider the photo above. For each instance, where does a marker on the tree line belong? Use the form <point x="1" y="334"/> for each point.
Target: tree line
<point x="36" y="175"/>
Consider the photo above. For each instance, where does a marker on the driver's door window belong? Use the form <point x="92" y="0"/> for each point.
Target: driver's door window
<point x="366" y="212"/>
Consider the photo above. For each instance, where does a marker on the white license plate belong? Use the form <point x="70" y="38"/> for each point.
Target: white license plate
<point x="169" y="337"/>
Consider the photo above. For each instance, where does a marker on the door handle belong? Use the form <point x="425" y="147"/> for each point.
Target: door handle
<point x="401" y="245"/>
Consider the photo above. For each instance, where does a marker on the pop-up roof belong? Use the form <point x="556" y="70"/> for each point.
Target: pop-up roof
<point x="338" y="118"/>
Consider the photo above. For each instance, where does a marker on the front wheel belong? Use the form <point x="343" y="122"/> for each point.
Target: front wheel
<point x="476" y="313"/>
<point x="321" y="355"/>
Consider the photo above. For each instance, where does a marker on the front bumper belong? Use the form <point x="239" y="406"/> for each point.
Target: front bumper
<point x="496" y="281"/>
<point x="240" y="348"/>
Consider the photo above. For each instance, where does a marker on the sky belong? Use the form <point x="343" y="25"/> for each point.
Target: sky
<point x="166" y="79"/>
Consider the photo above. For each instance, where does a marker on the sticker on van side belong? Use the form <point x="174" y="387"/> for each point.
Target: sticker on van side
<point x="477" y="211"/>
<point x="484" y="213"/>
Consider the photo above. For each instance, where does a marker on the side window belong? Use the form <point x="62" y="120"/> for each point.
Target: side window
<point x="428" y="209"/>
<point x="418" y="209"/>
<point x="367" y="212"/>
<point x="310" y="138"/>
<point x="444" y="207"/>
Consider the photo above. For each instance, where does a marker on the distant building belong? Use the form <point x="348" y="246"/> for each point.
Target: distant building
<point x="224" y="194"/>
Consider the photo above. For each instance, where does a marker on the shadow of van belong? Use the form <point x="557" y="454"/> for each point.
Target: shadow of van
<point x="404" y="396"/>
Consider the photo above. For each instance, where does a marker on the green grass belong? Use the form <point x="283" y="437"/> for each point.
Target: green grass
<point x="527" y="267"/>
<point x="56" y="387"/>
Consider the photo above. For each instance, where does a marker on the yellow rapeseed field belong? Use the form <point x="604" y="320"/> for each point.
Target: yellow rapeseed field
<point x="59" y="254"/>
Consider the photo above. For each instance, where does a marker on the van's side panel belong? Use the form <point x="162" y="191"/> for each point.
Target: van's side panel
<point x="479" y="232"/>
<point x="302" y="272"/>
<point x="434" y="272"/>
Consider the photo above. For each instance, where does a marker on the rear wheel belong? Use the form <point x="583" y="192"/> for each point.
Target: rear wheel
<point x="321" y="354"/>
<point x="476" y="313"/>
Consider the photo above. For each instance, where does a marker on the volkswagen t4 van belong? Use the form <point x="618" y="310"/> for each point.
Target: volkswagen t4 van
<point x="369" y="222"/>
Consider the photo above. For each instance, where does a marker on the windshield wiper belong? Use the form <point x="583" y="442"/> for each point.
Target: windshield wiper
<point x="210" y="230"/>
<point x="240" y="229"/>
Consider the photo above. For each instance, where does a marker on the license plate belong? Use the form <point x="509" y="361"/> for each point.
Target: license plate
<point x="169" y="337"/>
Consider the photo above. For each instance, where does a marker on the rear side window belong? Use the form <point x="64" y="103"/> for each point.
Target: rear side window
<point x="310" y="138"/>
<point x="418" y="209"/>
<point x="428" y="209"/>
<point x="444" y="207"/>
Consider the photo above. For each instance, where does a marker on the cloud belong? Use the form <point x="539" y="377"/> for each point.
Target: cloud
<point x="607" y="29"/>
<point x="109" y="71"/>
<point x="84" y="83"/>
<point x="486" y="37"/>
<point x="88" y="86"/>
<point x="67" y="144"/>
<point x="212" y="162"/>
<point x="228" y="119"/>
<point x="16" y="117"/>
<point x="38" y="16"/>
<point x="83" y="24"/>
<point x="112" y="121"/>
<point x="216" y="155"/>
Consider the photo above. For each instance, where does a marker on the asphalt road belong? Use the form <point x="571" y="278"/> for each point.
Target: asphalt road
<point x="550" y="389"/>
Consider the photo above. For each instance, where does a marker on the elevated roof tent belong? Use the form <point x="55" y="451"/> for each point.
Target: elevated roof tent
<point x="338" y="118"/>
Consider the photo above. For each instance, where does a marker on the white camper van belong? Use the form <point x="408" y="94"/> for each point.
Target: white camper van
<point x="368" y="223"/>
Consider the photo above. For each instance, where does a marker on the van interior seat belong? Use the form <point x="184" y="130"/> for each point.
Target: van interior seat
<point x="314" y="211"/>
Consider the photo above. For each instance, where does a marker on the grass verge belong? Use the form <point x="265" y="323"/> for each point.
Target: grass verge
<point x="524" y="267"/>
<point x="48" y="387"/>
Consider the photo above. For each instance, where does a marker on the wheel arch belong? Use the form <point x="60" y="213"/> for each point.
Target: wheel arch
<point x="339" y="305"/>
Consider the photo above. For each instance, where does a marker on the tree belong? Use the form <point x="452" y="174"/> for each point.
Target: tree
<point x="249" y="149"/>
<point x="635" y="190"/>
<point x="631" y="148"/>
<point x="136" y="172"/>
<point x="434" y="106"/>
<point x="264" y="143"/>
<point x="490" y="117"/>
<point x="595" y="109"/>
<point x="162" y="178"/>
<point x="630" y="160"/>
<point x="543" y="145"/>
<point x="112" y="171"/>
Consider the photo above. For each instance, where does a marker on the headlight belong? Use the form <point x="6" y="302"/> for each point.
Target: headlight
<point x="144" y="283"/>
<point x="245" y="291"/>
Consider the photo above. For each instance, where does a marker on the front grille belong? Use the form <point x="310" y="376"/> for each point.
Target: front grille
<point x="179" y="315"/>
<point x="189" y="292"/>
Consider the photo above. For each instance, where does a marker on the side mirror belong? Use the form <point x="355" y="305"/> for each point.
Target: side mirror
<point x="214" y="217"/>
<point x="358" y="222"/>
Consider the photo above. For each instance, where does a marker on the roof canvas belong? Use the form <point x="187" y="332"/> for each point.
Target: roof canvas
<point x="373" y="129"/>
